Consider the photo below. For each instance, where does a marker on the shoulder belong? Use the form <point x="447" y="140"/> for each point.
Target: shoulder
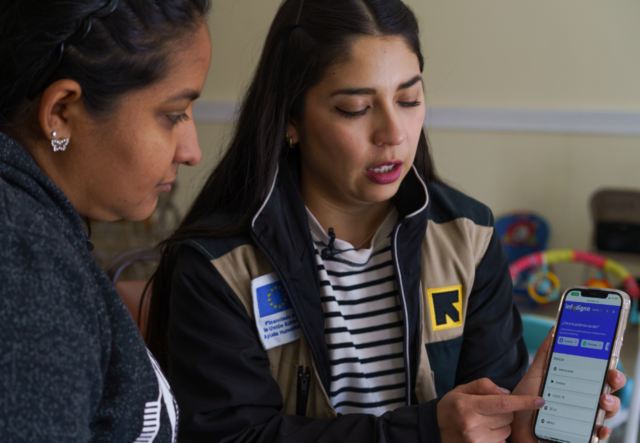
<point x="31" y="248"/>
<point x="45" y="282"/>
<point x="21" y="213"/>
<point x="215" y="248"/>
<point x="42" y="273"/>
<point x="38" y="253"/>
<point x="218" y="268"/>
<point x="193" y="257"/>
<point x="449" y="204"/>
<point x="459" y="223"/>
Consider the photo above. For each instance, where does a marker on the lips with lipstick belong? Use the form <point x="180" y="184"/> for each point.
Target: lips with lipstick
<point x="385" y="173"/>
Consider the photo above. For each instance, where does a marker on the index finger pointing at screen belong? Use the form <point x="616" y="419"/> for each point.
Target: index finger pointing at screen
<point x="504" y="404"/>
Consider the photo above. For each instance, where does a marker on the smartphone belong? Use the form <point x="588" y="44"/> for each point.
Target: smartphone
<point x="586" y="346"/>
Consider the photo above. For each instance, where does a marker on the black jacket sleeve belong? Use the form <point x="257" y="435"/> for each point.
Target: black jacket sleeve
<point x="220" y="375"/>
<point x="492" y="345"/>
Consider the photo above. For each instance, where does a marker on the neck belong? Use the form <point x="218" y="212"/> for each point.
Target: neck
<point x="55" y="166"/>
<point x="351" y="223"/>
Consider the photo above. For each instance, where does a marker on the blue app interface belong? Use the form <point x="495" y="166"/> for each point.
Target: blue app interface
<point x="583" y="344"/>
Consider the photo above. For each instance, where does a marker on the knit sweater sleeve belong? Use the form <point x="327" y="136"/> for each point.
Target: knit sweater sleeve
<point x="51" y="361"/>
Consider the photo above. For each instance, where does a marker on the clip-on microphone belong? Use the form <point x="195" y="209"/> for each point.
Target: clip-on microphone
<point x="330" y="250"/>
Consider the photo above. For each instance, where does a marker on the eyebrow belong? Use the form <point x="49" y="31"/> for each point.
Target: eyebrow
<point x="186" y="94"/>
<point x="372" y="91"/>
<point x="410" y="83"/>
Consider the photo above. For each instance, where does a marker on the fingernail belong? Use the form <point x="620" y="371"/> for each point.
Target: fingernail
<point x="540" y="402"/>
<point x="504" y="391"/>
<point x="608" y="398"/>
<point x="618" y="376"/>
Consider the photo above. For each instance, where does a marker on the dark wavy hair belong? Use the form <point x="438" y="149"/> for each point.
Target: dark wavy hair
<point x="124" y="51"/>
<point x="305" y="39"/>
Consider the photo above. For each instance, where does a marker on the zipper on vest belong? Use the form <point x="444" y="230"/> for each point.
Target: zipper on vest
<point x="405" y="314"/>
<point x="302" y="397"/>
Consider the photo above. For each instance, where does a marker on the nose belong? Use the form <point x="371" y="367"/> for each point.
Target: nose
<point x="389" y="129"/>
<point x="188" y="151"/>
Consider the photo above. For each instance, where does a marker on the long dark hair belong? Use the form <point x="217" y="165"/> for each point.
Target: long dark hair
<point x="305" y="39"/>
<point x="109" y="47"/>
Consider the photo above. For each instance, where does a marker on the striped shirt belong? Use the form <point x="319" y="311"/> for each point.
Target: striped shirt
<point x="363" y="322"/>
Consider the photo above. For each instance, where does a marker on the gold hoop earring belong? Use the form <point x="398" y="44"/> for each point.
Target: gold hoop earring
<point x="290" y="140"/>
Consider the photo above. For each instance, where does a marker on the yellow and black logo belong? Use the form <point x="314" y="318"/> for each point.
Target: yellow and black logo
<point x="446" y="307"/>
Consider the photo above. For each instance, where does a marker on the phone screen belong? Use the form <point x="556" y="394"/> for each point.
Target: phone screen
<point x="579" y="359"/>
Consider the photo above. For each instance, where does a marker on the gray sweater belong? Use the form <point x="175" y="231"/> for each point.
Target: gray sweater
<point x="73" y="366"/>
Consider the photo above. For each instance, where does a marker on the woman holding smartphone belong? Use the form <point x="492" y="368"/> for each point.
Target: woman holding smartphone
<point x="326" y="285"/>
<point x="95" y="105"/>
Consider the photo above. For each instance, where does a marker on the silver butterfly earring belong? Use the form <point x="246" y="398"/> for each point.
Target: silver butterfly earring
<point x="59" y="145"/>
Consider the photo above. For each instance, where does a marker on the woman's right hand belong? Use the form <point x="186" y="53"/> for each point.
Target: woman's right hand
<point x="480" y="412"/>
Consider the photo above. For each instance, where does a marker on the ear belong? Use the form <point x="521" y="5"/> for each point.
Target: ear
<point x="292" y="130"/>
<point x="61" y="102"/>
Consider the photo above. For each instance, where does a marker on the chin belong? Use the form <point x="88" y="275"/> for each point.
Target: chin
<point x="142" y="211"/>
<point x="382" y="195"/>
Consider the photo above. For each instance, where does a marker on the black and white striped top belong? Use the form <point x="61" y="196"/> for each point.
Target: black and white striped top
<point x="363" y="322"/>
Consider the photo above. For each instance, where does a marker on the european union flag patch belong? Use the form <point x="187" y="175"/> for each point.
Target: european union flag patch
<point x="276" y="320"/>
<point x="271" y="299"/>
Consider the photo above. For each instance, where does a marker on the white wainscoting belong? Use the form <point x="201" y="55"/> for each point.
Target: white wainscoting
<point x="485" y="119"/>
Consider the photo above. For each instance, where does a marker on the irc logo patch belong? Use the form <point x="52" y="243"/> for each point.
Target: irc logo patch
<point x="446" y="307"/>
<point x="271" y="299"/>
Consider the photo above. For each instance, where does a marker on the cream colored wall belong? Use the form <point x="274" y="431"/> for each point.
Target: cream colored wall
<point x="568" y="55"/>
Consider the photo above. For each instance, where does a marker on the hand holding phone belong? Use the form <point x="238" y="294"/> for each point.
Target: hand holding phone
<point x="585" y="348"/>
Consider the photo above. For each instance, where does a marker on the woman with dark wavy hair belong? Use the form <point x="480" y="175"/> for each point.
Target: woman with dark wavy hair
<point x="326" y="286"/>
<point x="95" y="105"/>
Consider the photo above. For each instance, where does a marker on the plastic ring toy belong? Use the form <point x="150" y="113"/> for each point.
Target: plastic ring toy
<point x="546" y="258"/>
<point x="543" y="287"/>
